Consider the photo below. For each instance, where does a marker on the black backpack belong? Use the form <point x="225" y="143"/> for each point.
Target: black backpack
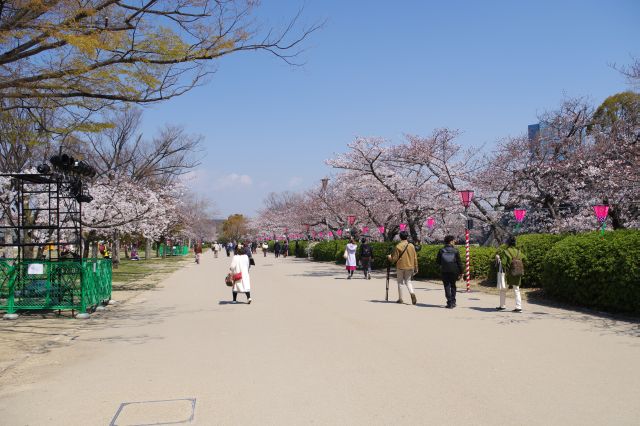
<point x="366" y="251"/>
<point x="448" y="261"/>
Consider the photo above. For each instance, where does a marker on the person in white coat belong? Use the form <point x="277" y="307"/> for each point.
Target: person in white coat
<point x="350" y="256"/>
<point x="240" y="264"/>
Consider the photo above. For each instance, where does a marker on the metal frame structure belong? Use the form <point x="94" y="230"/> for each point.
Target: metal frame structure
<point x="63" y="215"/>
<point x="54" y="277"/>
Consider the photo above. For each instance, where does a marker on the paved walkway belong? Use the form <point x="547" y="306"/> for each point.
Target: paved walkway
<point x="316" y="348"/>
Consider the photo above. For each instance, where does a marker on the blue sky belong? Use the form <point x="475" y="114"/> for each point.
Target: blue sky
<point x="383" y="68"/>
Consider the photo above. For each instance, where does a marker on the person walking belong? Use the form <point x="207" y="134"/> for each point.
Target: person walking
<point x="366" y="252"/>
<point x="198" y="251"/>
<point x="350" y="256"/>
<point x="512" y="261"/>
<point x="405" y="258"/>
<point x="285" y="248"/>
<point x="215" y="249"/>
<point x="276" y="249"/>
<point x="450" y="269"/>
<point x="247" y="251"/>
<point x="265" y="248"/>
<point x="240" y="265"/>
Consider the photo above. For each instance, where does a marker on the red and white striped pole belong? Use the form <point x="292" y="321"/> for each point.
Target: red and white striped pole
<point x="468" y="270"/>
<point x="466" y="196"/>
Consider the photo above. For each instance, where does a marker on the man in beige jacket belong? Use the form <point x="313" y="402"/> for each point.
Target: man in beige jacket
<point x="406" y="260"/>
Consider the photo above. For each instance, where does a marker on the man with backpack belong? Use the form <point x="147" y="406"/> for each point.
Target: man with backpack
<point x="366" y="252"/>
<point x="512" y="261"/>
<point x="450" y="268"/>
<point x="406" y="260"/>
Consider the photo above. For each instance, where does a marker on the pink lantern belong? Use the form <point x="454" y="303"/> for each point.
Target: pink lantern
<point x="519" y="214"/>
<point x="601" y="212"/>
<point x="339" y="232"/>
<point x="431" y="222"/>
<point x="403" y="226"/>
<point x="365" y="229"/>
<point x="351" y="219"/>
<point x="466" y="196"/>
<point x="320" y="234"/>
<point x="381" y="229"/>
<point x="330" y="234"/>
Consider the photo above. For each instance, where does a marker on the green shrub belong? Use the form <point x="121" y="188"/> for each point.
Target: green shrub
<point x="535" y="247"/>
<point x="380" y="252"/>
<point x="324" y="251"/>
<point x="300" y="248"/>
<point x="341" y="245"/>
<point x="589" y="271"/>
<point x="481" y="257"/>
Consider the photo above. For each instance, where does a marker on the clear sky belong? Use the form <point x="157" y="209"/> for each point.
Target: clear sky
<point x="385" y="68"/>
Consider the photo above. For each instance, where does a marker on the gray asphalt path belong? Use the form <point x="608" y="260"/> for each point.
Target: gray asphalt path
<point x="315" y="348"/>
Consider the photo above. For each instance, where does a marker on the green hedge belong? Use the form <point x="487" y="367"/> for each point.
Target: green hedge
<point x="481" y="257"/>
<point x="604" y="274"/>
<point x="535" y="247"/>
<point x="298" y="248"/>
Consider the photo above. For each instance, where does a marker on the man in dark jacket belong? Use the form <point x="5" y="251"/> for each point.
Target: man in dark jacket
<point x="276" y="248"/>
<point x="451" y="269"/>
<point x="365" y="258"/>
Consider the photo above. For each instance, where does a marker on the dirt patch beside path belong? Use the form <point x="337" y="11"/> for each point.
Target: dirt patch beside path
<point x="38" y="332"/>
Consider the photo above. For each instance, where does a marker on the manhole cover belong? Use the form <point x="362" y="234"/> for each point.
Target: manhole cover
<point x="146" y="413"/>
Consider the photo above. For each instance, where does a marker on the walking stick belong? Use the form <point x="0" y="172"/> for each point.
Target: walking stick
<point x="386" y="297"/>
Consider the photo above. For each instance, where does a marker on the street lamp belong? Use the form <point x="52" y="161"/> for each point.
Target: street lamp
<point x="325" y="182"/>
<point x="466" y="196"/>
<point x="601" y="211"/>
<point x="519" y="214"/>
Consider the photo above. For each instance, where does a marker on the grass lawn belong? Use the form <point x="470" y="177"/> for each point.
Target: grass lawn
<point x="145" y="274"/>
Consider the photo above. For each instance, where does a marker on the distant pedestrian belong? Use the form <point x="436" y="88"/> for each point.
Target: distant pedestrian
<point x="215" y="249"/>
<point x="247" y="251"/>
<point x="240" y="265"/>
<point x="228" y="248"/>
<point x="285" y="249"/>
<point x="198" y="251"/>
<point x="350" y="256"/>
<point x="512" y="261"/>
<point x="276" y="248"/>
<point x="366" y="253"/>
<point x="265" y="248"/>
<point x="406" y="260"/>
<point x="450" y="269"/>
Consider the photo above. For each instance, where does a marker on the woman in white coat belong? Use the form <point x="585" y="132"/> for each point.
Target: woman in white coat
<point x="240" y="264"/>
<point x="350" y="256"/>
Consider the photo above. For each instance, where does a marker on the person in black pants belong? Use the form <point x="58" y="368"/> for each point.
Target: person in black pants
<point x="450" y="268"/>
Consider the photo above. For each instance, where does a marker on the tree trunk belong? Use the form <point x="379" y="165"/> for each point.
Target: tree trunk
<point x="115" y="256"/>
<point x="147" y="249"/>
<point x="94" y="250"/>
<point x="126" y="251"/>
<point x="85" y="250"/>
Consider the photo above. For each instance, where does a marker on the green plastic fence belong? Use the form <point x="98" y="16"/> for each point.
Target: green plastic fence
<point x="174" y="250"/>
<point x="66" y="284"/>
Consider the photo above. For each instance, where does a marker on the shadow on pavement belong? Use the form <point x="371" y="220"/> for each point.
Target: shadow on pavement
<point x="428" y="305"/>
<point x="476" y="308"/>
